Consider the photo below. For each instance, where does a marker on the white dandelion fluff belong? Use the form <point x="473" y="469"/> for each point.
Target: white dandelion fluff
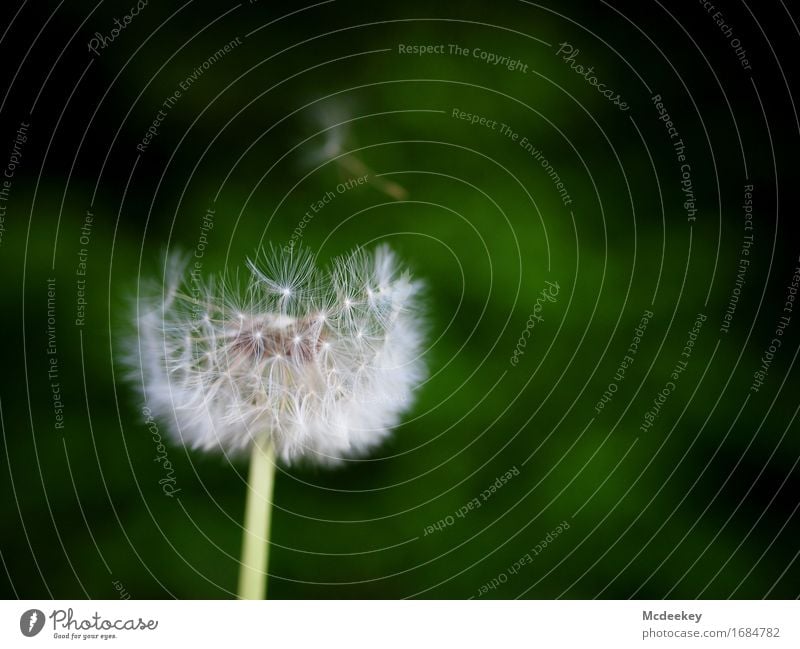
<point x="317" y="364"/>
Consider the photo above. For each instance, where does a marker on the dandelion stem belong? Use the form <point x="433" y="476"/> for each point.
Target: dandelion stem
<point x="258" y="510"/>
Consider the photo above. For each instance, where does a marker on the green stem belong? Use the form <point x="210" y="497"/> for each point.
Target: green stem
<point x="258" y="509"/>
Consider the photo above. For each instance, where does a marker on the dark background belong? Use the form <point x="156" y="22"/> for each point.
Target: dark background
<point x="703" y="504"/>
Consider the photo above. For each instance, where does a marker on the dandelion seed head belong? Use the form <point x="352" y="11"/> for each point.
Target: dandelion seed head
<point x="297" y="354"/>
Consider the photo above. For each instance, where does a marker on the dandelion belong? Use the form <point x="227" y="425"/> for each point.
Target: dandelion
<point x="293" y="363"/>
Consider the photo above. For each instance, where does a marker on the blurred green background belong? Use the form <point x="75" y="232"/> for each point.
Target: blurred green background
<point x="701" y="504"/>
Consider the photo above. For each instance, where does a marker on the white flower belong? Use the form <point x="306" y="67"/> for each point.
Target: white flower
<point x="321" y="363"/>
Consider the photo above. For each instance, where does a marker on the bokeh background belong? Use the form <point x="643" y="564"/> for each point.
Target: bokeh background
<point x="703" y="503"/>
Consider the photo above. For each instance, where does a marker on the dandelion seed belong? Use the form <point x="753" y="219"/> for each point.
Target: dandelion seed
<point x="334" y="120"/>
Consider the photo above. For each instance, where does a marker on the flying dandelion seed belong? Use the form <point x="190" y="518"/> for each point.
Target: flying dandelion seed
<point x="334" y="121"/>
